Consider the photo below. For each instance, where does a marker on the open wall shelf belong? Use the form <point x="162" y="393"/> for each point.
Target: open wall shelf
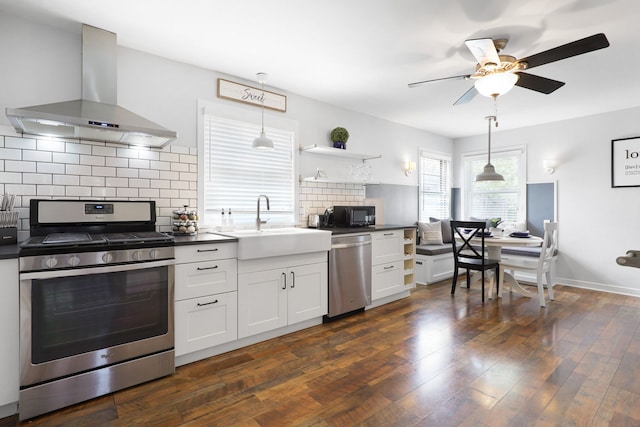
<point x="337" y="152"/>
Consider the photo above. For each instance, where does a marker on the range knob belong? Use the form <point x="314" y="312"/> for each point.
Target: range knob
<point x="73" y="261"/>
<point x="153" y="254"/>
<point x="135" y="255"/>
<point x="50" y="262"/>
<point x="107" y="257"/>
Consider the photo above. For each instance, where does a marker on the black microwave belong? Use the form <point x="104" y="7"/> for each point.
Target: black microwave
<point x="354" y="216"/>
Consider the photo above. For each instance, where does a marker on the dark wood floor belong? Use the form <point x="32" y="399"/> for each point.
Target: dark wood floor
<point x="427" y="360"/>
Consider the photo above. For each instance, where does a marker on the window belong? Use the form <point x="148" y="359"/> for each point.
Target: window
<point x="234" y="174"/>
<point x="435" y="187"/>
<point x="496" y="199"/>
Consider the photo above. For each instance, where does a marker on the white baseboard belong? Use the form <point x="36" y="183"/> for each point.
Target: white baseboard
<point x="603" y="287"/>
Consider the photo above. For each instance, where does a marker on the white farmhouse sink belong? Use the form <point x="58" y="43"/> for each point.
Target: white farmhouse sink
<point x="270" y="242"/>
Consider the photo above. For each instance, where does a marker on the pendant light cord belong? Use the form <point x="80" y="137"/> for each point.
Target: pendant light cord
<point x="262" y="99"/>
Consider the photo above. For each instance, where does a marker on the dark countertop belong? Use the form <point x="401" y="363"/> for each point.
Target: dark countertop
<point x="9" y="251"/>
<point x="202" y="237"/>
<point x="369" y="229"/>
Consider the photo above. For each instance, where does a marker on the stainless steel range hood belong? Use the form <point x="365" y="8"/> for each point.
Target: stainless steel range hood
<point x="96" y="116"/>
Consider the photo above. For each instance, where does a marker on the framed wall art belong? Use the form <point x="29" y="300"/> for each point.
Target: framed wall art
<point x="625" y="162"/>
<point x="251" y="95"/>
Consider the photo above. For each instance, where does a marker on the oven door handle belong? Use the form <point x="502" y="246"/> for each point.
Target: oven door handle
<point x="50" y="274"/>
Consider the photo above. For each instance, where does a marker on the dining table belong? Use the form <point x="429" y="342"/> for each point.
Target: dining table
<point x="494" y="244"/>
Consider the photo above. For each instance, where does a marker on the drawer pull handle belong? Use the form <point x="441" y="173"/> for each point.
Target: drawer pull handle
<point x="284" y="286"/>
<point x="388" y="234"/>
<point x="419" y="262"/>
<point x="388" y="267"/>
<point x="208" y="250"/>
<point x="293" y="279"/>
<point x="206" y="303"/>
<point x="207" y="268"/>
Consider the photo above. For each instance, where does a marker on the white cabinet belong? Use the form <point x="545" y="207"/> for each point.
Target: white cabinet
<point x="388" y="273"/>
<point x="206" y="296"/>
<point x="280" y="291"/>
<point x="9" y="326"/>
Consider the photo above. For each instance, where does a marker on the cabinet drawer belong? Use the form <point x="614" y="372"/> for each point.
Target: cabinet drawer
<point x="206" y="252"/>
<point x="197" y="279"/>
<point x="387" y="246"/>
<point x="387" y="279"/>
<point x="205" y="322"/>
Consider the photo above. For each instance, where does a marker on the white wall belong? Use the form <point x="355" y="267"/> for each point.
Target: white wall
<point x="598" y="223"/>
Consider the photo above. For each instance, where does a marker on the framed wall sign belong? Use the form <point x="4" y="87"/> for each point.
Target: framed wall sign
<point x="625" y="162"/>
<point x="251" y="95"/>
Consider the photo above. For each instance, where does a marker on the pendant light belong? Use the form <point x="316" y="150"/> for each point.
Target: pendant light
<point x="262" y="142"/>
<point x="489" y="172"/>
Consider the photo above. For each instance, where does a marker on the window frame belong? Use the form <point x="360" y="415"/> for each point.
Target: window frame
<point x="249" y="115"/>
<point x="424" y="216"/>
<point x="468" y="177"/>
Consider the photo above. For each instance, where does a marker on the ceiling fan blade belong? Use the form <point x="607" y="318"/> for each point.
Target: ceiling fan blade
<point x="484" y="50"/>
<point x="462" y="77"/>
<point x="578" y="47"/>
<point x="467" y="96"/>
<point x="537" y="83"/>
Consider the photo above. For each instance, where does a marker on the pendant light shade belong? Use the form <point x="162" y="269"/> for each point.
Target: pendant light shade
<point x="262" y="142"/>
<point x="489" y="172"/>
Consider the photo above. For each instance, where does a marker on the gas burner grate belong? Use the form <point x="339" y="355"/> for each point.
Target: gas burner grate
<point x="62" y="238"/>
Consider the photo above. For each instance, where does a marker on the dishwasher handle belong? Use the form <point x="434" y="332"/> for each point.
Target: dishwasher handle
<point x="349" y="245"/>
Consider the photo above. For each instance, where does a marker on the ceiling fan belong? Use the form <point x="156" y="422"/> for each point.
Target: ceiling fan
<point x="496" y="74"/>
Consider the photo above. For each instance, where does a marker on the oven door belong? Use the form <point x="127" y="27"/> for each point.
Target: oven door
<point x="76" y="320"/>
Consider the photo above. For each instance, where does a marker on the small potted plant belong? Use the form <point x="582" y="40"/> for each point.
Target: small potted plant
<point x="339" y="137"/>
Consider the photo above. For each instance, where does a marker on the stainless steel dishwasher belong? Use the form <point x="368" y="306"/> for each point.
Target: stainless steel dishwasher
<point x="349" y="274"/>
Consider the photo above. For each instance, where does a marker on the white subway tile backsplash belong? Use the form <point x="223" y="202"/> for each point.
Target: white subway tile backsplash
<point x="160" y="165"/>
<point x="78" y="170"/>
<point x="58" y="168"/>
<point x="10" y="178"/>
<point x="66" y="158"/>
<point x="77" y="148"/>
<point x="184" y="158"/>
<point x="49" y="190"/>
<point x="36" y="156"/>
<point x="92" y="160"/>
<point x="159" y="183"/>
<point x="78" y="191"/>
<point x="117" y="182"/>
<point x="116" y="162"/>
<point x="103" y="171"/>
<point x="50" y="145"/>
<point x="18" y="166"/>
<point x="127" y="152"/>
<point x="10" y="154"/>
<point x="97" y="150"/>
<point x="179" y="185"/>
<point x="106" y="192"/>
<point x="66" y="180"/>
<point x="169" y="157"/>
<point x="139" y="183"/>
<point x="170" y="175"/>
<point x="149" y="155"/>
<point x="138" y="163"/>
<point x="127" y="173"/>
<point x="179" y="167"/>
<point x="36" y="178"/>
<point x="20" y="143"/>
<point x="92" y="181"/>
<point x="149" y="193"/>
<point x="127" y="192"/>
<point x="149" y="174"/>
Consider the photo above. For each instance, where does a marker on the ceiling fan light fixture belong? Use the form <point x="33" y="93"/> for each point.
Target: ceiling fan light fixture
<point x="496" y="84"/>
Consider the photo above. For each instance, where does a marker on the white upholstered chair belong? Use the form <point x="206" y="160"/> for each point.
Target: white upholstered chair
<point x="541" y="266"/>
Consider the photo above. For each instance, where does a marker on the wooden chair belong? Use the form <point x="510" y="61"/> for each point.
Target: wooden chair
<point x="470" y="255"/>
<point x="541" y="266"/>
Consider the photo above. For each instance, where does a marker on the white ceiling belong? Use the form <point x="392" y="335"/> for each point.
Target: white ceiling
<point x="361" y="54"/>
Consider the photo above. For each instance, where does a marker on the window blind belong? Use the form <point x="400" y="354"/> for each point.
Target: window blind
<point x="235" y="174"/>
<point x="496" y="199"/>
<point x="434" y="186"/>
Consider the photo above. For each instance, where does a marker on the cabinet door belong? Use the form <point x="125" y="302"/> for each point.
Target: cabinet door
<point x="205" y="322"/>
<point x="387" y="246"/>
<point x="197" y="279"/>
<point x="387" y="279"/>
<point x="308" y="292"/>
<point x="262" y="301"/>
<point x="9" y="327"/>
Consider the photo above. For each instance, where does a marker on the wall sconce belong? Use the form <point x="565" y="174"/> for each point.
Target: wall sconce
<point x="408" y="167"/>
<point x="549" y="165"/>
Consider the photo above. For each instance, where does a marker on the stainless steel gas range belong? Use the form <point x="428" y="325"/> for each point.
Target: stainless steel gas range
<point x="96" y="301"/>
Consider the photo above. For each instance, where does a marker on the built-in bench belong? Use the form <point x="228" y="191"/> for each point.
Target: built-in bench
<point x="435" y="262"/>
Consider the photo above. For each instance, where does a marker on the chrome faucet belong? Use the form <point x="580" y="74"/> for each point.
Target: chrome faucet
<point x="258" y="221"/>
